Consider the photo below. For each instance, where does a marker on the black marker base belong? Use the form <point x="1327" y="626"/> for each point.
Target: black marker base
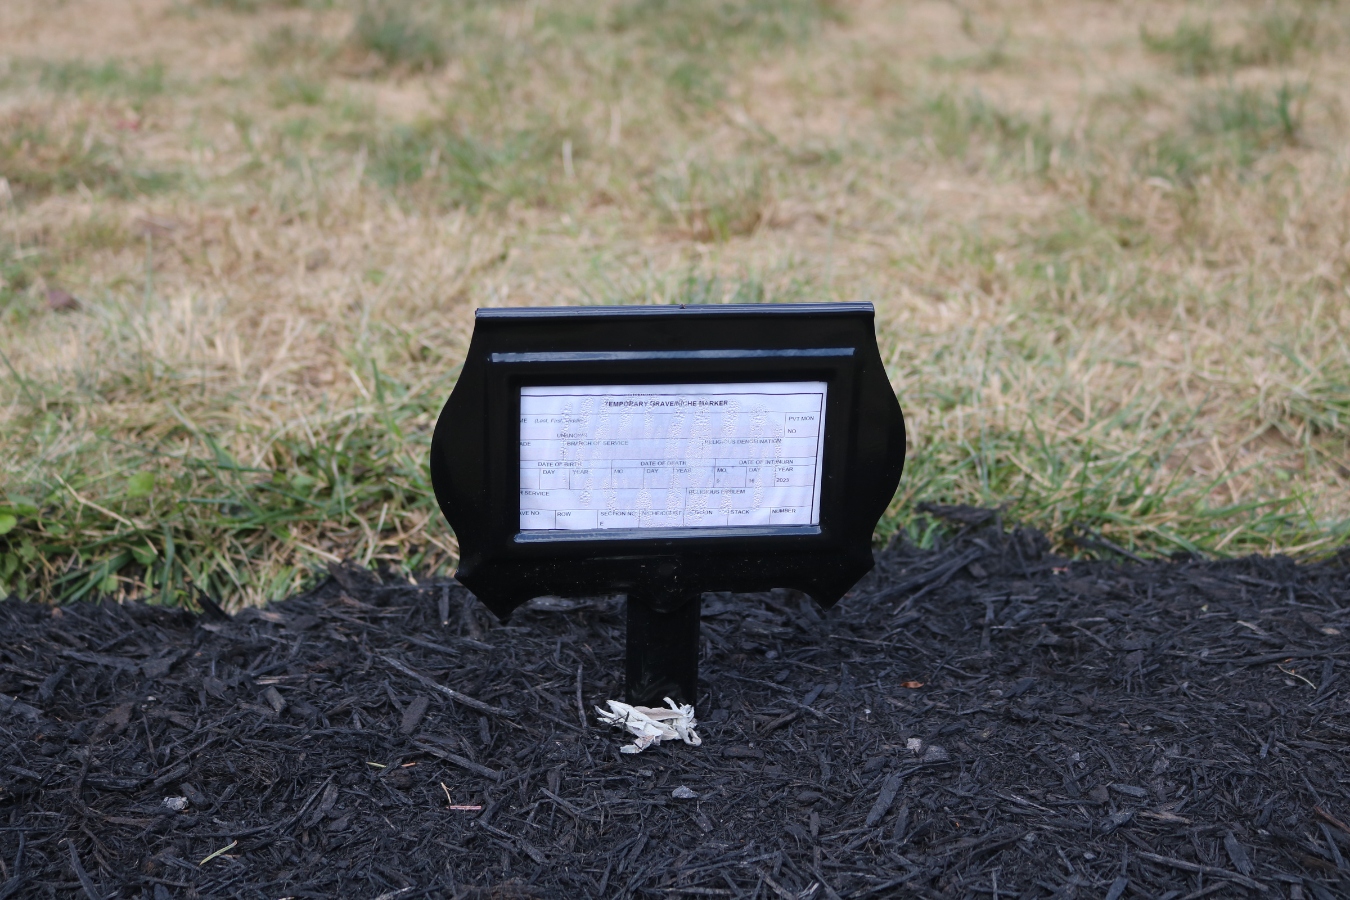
<point x="662" y="652"/>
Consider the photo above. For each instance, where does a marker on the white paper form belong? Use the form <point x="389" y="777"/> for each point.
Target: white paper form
<point x="671" y="455"/>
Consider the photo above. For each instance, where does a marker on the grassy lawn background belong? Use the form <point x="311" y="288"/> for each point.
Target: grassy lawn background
<point x="241" y="242"/>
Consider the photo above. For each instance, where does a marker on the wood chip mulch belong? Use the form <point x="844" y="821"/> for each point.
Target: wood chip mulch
<point x="981" y="721"/>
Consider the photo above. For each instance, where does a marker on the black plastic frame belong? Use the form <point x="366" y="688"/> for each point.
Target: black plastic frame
<point x="475" y="458"/>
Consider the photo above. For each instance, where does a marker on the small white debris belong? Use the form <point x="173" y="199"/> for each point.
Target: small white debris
<point x="274" y="699"/>
<point x="683" y="793"/>
<point x="651" y="725"/>
<point x="913" y="745"/>
<point x="550" y="603"/>
<point x="177" y="804"/>
<point x="935" y="753"/>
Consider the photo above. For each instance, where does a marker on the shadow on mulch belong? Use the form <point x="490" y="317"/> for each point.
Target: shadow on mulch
<point x="979" y="721"/>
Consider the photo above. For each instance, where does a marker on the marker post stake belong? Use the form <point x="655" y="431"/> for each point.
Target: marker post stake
<point x="662" y="648"/>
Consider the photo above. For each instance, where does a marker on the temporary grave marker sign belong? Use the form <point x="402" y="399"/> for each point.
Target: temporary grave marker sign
<point x="664" y="452"/>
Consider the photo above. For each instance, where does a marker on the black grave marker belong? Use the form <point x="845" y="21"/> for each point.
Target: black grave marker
<point x="664" y="452"/>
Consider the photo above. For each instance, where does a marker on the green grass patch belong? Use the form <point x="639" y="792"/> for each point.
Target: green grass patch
<point x="291" y="89"/>
<point x="1316" y="404"/>
<point x="253" y="6"/>
<point x="991" y="57"/>
<point x="48" y="258"/>
<point x="1274" y="38"/>
<point x="1191" y="47"/>
<point x="1278" y="36"/>
<point x="691" y="43"/>
<point x="20" y="269"/>
<point x="1096" y="482"/>
<point x="703" y="27"/>
<point x="154" y="516"/>
<point x="37" y="162"/>
<point x="1228" y="128"/>
<point x="1251" y="118"/>
<point x="434" y="162"/>
<point x="95" y="233"/>
<point x="1123" y="473"/>
<point x="713" y="201"/>
<point x="110" y="78"/>
<point x="399" y="36"/>
<point x="971" y="129"/>
<point x="287" y="46"/>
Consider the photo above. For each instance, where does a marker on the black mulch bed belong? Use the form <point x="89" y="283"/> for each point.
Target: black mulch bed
<point x="1086" y="729"/>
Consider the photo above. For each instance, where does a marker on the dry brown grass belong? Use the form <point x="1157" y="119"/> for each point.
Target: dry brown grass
<point x="1111" y="282"/>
